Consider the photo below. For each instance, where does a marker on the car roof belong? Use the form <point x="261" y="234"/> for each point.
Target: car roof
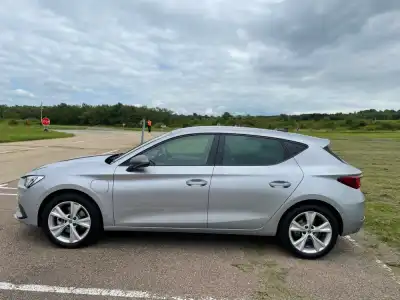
<point x="306" y="139"/>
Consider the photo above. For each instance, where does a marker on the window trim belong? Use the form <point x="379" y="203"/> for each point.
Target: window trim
<point x="212" y="151"/>
<point x="221" y="144"/>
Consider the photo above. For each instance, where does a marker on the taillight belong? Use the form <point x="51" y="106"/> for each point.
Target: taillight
<point x="351" y="181"/>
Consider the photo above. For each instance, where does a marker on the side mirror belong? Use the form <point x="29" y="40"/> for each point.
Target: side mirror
<point x="138" y="162"/>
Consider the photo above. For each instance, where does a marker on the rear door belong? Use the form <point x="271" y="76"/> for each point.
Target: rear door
<point x="252" y="178"/>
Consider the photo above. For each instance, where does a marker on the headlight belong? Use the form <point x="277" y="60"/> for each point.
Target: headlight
<point x="31" y="180"/>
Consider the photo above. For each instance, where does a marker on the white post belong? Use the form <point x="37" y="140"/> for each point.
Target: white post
<point x="143" y="129"/>
<point x="41" y="112"/>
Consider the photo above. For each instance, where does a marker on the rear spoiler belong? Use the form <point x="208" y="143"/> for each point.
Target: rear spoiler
<point x="324" y="143"/>
<point x="329" y="150"/>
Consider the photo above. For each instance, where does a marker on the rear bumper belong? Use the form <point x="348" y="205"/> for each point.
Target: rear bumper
<point x="353" y="216"/>
<point x="353" y="227"/>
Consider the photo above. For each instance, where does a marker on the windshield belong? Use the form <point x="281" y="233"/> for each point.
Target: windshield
<point x="127" y="153"/>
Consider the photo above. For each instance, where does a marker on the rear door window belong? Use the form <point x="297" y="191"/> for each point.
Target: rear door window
<point x="245" y="150"/>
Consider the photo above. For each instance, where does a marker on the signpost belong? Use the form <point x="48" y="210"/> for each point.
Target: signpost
<point x="143" y="129"/>
<point x="45" y="123"/>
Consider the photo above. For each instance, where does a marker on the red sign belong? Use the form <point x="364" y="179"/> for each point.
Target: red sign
<point x="45" y="121"/>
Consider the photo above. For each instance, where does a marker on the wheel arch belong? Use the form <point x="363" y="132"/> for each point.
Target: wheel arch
<point x="49" y="197"/>
<point x="332" y="209"/>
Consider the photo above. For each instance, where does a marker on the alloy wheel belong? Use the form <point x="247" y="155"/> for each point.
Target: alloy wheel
<point x="310" y="232"/>
<point x="69" y="222"/>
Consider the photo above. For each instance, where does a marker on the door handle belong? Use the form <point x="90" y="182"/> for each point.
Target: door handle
<point x="199" y="182"/>
<point x="278" y="183"/>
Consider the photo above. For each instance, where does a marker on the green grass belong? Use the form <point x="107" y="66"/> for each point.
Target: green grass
<point x="377" y="154"/>
<point x="347" y="134"/>
<point x="68" y="127"/>
<point x="19" y="133"/>
<point x="83" y="127"/>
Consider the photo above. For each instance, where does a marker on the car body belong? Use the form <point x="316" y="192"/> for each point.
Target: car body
<point x="210" y="179"/>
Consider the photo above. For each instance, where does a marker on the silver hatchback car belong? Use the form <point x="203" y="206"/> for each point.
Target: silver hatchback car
<point x="217" y="179"/>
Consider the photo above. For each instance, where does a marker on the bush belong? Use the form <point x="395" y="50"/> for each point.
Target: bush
<point x="330" y="125"/>
<point x="13" y="122"/>
<point x="349" y="122"/>
<point x="158" y="125"/>
<point x="387" y="126"/>
<point x="32" y="121"/>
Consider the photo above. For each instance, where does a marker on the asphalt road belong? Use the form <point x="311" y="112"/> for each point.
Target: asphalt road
<point x="163" y="266"/>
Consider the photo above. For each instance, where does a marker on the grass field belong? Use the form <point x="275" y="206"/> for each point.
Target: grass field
<point x="377" y="154"/>
<point x="21" y="132"/>
<point x="68" y="127"/>
<point x="82" y="127"/>
<point x="356" y="134"/>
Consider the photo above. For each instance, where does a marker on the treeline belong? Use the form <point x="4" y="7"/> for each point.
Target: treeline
<point x="131" y="116"/>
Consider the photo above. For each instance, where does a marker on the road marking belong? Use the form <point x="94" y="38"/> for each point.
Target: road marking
<point x="5" y="194"/>
<point x="89" y="291"/>
<point x="16" y="150"/>
<point x="3" y="152"/>
<point x="4" y="186"/>
<point x="109" y="152"/>
<point x="353" y="241"/>
<point x="378" y="261"/>
<point x="77" y="142"/>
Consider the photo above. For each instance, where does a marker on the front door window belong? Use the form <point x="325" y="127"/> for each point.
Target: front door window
<point x="193" y="150"/>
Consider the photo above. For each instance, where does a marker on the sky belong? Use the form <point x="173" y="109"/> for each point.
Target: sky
<point x="203" y="56"/>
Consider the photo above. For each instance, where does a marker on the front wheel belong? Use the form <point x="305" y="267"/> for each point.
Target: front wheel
<point x="71" y="221"/>
<point x="309" y="231"/>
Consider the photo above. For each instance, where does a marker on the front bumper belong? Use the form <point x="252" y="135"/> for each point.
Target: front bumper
<point x="28" y="201"/>
<point x="20" y="213"/>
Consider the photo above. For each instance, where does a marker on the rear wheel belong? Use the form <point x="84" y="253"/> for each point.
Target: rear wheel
<point x="71" y="221"/>
<point x="309" y="231"/>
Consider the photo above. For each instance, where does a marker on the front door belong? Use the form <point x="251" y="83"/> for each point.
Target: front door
<point x="173" y="191"/>
<point x="251" y="180"/>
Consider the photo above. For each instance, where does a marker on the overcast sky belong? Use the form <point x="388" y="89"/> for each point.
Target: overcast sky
<point x="203" y="56"/>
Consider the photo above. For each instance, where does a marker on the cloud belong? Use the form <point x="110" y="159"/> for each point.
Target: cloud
<point x="22" y="93"/>
<point x="254" y="56"/>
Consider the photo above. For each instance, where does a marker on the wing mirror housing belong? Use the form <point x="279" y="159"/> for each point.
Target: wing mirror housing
<point x="138" y="162"/>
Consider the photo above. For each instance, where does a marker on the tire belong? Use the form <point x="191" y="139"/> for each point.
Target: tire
<point x="88" y="209"/>
<point x="288" y="238"/>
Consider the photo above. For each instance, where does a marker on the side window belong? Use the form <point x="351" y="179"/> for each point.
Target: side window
<point x="241" y="150"/>
<point x="191" y="150"/>
<point x="294" y="148"/>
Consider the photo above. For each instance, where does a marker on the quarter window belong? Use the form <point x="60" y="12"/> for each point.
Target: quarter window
<point x="241" y="150"/>
<point x="294" y="148"/>
<point x="193" y="150"/>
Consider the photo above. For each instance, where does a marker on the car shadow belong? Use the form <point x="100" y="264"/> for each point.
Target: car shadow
<point x="187" y="240"/>
<point x="261" y="245"/>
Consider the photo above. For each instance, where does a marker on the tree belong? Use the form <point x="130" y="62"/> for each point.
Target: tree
<point x="119" y="113"/>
